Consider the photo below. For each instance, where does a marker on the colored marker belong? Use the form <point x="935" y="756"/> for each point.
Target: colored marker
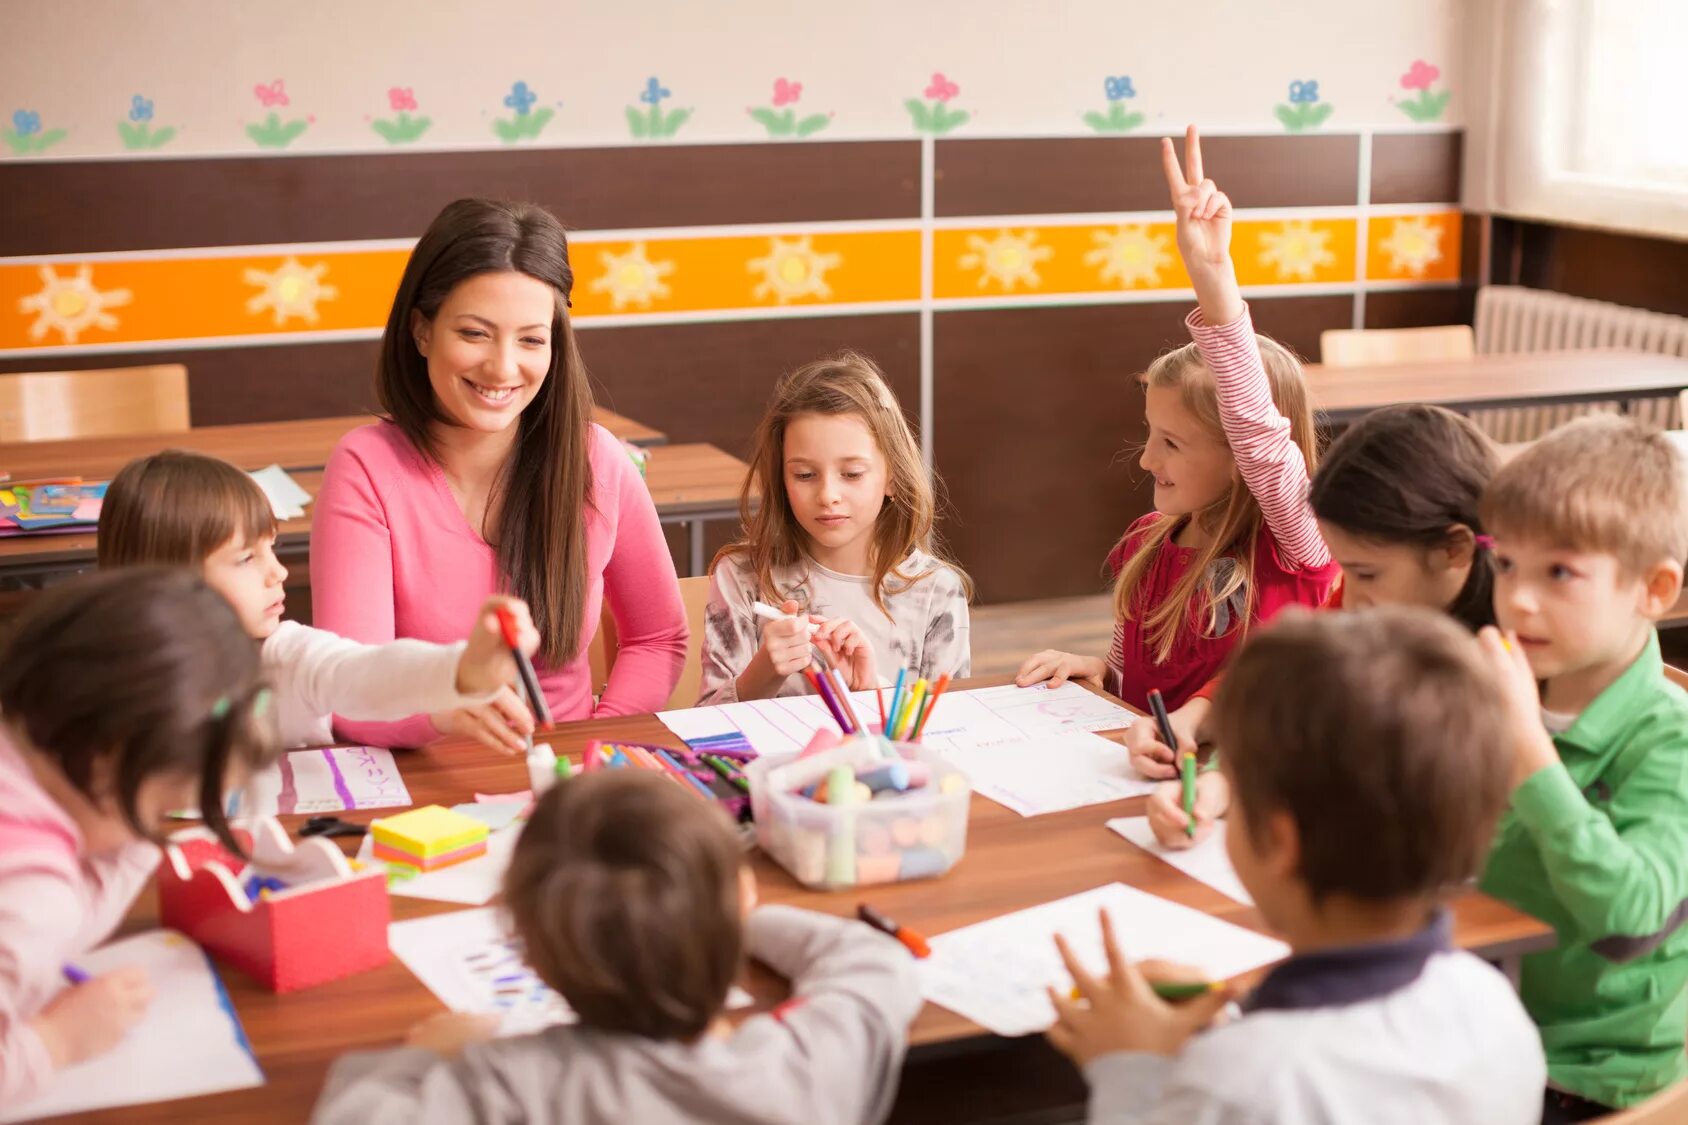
<point x="823" y="687"/>
<point x="524" y="668"/>
<point x="75" y="975"/>
<point x="913" y="941"/>
<point x="931" y="702"/>
<point x="1187" y="773"/>
<point x="906" y="722"/>
<point x="896" y="704"/>
<point x="1173" y="991"/>
<point x="728" y="773"/>
<point x="1163" y="724"/>
<point x="842" y="691"/>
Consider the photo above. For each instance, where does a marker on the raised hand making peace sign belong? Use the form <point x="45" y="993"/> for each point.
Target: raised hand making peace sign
<point x="1204" y="230"/>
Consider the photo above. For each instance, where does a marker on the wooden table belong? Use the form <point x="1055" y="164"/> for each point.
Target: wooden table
<point x="303" y="443"/>
<point x="1012" y="862"/>
<point x="690" y="484"/>
<point x="1535" y="378"/>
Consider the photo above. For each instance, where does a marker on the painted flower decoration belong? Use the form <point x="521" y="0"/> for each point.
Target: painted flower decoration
<point x="1118" y="88"/>
<point x="140" y="109"/>
<point x="654" y="92"/>
<point x="520" y="98"/>
<point x="786" y="92"/>
<point x="26" y="122"/>
<point x="942" y="89"/>
<point x="1420" y="75"/>
<point x="401" y="98"/>
<point x="1301" y="92"/>
<point x="272" y="95"/>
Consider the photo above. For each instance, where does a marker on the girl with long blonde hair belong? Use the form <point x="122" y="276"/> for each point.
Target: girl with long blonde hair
<point x="1231" y="443"/>
<point x="838" y="512"/>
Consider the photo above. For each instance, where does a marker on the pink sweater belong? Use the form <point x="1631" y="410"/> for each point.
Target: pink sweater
<point x="392" y="556"/>
<point x="1292" y="565"/>
<point x="56" y="903"/>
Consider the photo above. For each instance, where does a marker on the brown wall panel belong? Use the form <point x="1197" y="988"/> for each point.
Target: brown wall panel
<point x="1416" y="167"/>
<point x="1420" y="308"/>
<point x="1628" y="269"/>
<point x="1036" y="416"/>
<point x="251" y="384"/>
<point x="68" y="207"/>
<point x="1078" y="174"/>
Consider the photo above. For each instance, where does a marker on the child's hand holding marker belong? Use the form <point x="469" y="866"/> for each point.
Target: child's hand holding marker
<point x="93" y="1015"/>
<point x="1532" y="746"/>
<point x="1150" y="755"/>
<point x="1169" y="822"/>
<point x="849" y="651"/>
<point x="1122" y="1012"/>
<point x="488" y="662"/>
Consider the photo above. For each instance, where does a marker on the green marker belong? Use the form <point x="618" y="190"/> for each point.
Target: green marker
<point x="1187" y="771"/>
<point x="1184" y="990"/>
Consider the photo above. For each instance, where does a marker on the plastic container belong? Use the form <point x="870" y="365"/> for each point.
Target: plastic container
<point x="918" y="833"/>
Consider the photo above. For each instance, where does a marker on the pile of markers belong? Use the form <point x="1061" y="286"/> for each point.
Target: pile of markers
<point x="712" y="776"/>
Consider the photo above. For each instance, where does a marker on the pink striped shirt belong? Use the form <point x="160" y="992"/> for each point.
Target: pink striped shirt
<point x="1292" y="563"/>
<point x="392" y="556"/>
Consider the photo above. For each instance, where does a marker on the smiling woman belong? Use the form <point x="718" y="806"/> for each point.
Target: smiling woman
<point x="489" y="476"/>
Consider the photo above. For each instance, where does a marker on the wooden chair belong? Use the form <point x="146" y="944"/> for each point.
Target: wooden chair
<point x="1680" y="678"/>
<point x="1369" y="347"/>
<point x="49" y="405"/>
<point x="694" y="595"/>
<point x="1667" y="1107"/>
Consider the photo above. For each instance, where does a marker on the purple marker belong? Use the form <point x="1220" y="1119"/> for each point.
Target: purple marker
<point x="75" y="975"/>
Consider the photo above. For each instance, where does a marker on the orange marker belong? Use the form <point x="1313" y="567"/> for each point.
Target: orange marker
<point x="915" y="943"/>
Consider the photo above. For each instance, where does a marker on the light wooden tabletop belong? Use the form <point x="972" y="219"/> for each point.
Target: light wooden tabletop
<point x="1011" y="862"/>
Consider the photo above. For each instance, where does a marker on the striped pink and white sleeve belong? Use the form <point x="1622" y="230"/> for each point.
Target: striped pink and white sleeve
<point x="1269" y="461"/>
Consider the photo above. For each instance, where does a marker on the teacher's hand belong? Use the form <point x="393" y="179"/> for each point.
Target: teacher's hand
<point x="503" y="723"/>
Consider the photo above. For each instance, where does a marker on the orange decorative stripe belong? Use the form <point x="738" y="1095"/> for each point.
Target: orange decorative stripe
<point x="1413" y="247"/>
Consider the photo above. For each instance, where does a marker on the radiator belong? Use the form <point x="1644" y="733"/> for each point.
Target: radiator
<point x="1511" y="318"/>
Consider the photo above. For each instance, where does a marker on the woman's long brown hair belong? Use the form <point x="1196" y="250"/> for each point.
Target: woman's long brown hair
<point x="847" y="383"/>
<point x="542" y="494"/>
<point x="1233" y="520"/>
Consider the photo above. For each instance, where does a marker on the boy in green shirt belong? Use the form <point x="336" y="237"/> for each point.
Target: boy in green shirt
<point x="1590" y="534"/>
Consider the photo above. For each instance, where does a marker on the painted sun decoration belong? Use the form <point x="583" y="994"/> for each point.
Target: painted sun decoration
<point x="1295" y="250"/>
<point x="792" y="270"/>
<point x="1413" y="245"/>
<point x="71" y="305"/>
<point x="1009" y="259"/>
<point x="632" y="278"/>
<point x="290" y="290"/>
<point x="1129" y="255"/>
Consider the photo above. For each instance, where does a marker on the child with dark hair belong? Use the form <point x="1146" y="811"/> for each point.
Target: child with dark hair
<point x="122" y="696"/>
<point x="633" y="900"/>
<point x="1370" y="765"/>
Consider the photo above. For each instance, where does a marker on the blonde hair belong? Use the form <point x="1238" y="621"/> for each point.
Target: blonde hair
<point x="1234" y="518"/>
<point x="1603" y="483"/>
<point x="845" y="384"/>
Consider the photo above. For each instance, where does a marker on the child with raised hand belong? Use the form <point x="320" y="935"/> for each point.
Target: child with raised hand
<point x="1230" y="445"/>
<point x="1396" y="497"/>
<point x="122" y="696"/>
<point x="1370" y="765"/>
<point x="632" y="899"/>
<point x="1591" y="529"/>
<point x="838" y="512"/>
<point x="186" y="509"/>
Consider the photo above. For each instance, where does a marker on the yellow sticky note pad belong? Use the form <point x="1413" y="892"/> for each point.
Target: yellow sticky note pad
<point x="428" y="831"/>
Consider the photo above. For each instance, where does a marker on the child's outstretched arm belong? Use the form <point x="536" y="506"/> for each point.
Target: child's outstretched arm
<point x="1268" y="459"/>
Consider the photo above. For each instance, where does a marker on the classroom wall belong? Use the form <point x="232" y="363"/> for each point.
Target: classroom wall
<point x="976" y="201"/>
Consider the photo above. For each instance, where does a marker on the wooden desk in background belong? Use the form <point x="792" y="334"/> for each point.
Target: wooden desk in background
<point x="690" y="484"/>
<point x="303" y="443"/>
<point x="1012" y="862"/>
<point x="1534" y="378"/>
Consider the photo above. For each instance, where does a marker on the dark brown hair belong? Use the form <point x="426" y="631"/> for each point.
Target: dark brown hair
<point x="147" y="667"/>
<point x="624" y="888"/>
<point x="542" y="495"/>
<point x="1379" y="733"/>
<point x="1407" y="474"/>
<point x="844" y="384"/>
<point x="175" y="508"/>
<point x="1604" y="484"/>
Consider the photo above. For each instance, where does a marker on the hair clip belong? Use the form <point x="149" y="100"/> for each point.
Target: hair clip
<point x="261" y="701"/>
<point x="1485" y="542"/>
<point x="220" y="709"/>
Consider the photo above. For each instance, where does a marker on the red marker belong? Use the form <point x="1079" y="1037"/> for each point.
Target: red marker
<point x="524" y="667"/>
<point x="915" y="943"/>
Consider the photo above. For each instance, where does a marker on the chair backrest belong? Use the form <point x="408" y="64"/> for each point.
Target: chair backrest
<point x="1667" y="1107"/>
<point x="694" y="595"/>
<point x="51" y="405"/>
<point x="1350" y="347"/>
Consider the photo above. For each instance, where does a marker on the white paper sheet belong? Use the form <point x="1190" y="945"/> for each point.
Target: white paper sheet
<point x="330" y="779"/>
<point x="189" y="1042"/>
<point x="1206" y="861"/>
<point x="994" y="973"/>
<point x="469" y="960"/>
<point x="1049" y="773"/>
<point x="980" y="717"/>
<point x="287" y="498"/>
<point x="472" y="883"/>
